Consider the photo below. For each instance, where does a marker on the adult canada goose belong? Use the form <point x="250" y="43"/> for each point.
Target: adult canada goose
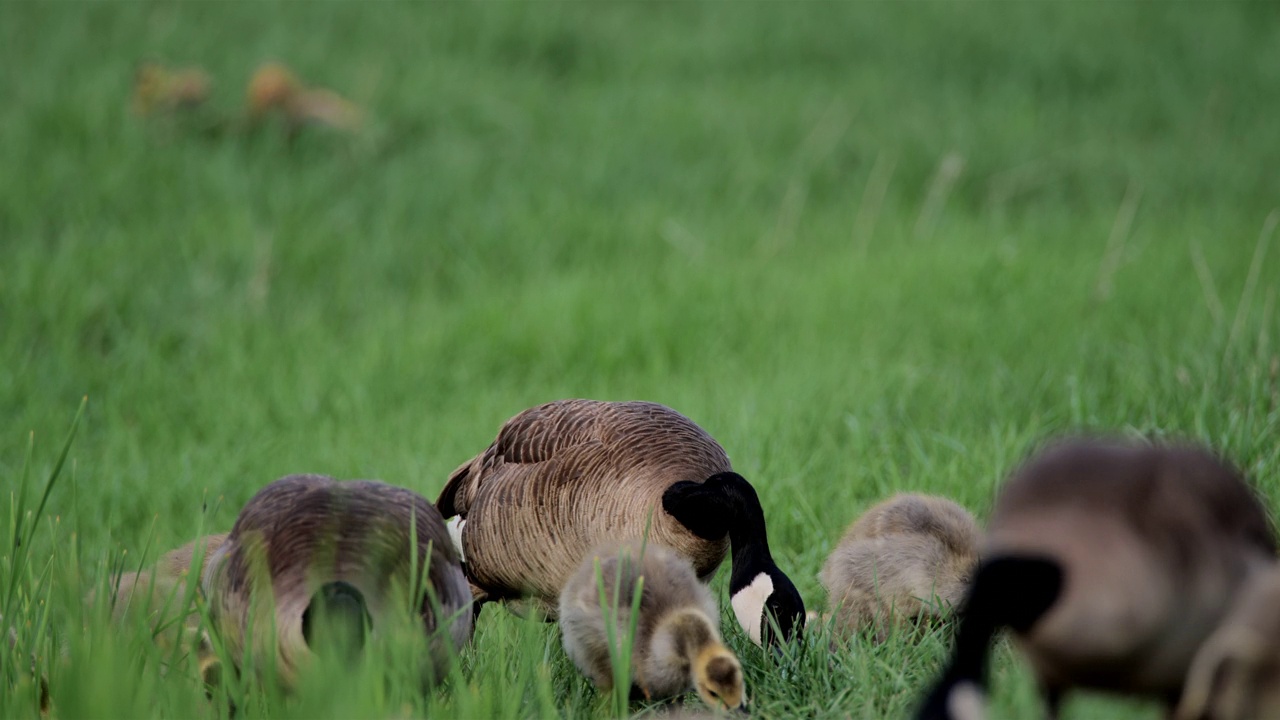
<point x="308" y="547"/>
<point x="1236" y="673"/>
<point x="908" y="557"/>
<point x="158" y="594"/>
<point x="563" y="477"/>
<point x="677" y="643"/>
<point x="1111" y="563"/>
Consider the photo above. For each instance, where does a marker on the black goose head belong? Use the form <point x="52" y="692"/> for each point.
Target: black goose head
<point x="764" y="599"/>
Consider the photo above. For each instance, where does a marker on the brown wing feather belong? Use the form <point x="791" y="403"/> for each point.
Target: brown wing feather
<point x="531" y="437"/>
<point x="450" y="502"/>
<point x="560" y="478"/>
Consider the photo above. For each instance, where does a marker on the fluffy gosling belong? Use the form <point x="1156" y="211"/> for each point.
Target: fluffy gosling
<point x="677" y="645"/>
<point x="910" y="557"/>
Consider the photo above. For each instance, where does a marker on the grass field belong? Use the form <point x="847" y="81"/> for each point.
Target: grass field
<point x="869" y="246"/>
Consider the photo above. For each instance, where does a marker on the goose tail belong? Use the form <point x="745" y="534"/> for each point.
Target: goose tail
<point x="336" y="620"/>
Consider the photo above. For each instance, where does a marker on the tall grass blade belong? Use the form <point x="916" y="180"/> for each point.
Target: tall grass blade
<point x="21" y="542"/>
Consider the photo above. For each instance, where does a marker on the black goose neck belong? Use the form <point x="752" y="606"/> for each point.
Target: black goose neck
<point x="749" y="561"/>
<point x="748" y="538"/>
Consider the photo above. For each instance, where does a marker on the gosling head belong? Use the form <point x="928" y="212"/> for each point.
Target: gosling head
<point x="717" y="677"/>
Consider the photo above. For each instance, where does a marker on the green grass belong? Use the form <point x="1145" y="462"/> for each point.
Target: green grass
<point x="735" y="209"/>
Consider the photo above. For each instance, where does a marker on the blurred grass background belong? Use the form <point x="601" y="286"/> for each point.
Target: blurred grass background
<point x="870" y="246"/>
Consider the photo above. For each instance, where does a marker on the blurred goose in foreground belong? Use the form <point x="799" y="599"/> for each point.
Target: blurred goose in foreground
<point x="326" y="562"/>
<point x="562" y="478"/>
<point x="677" y="643"/>
<point x="1111" y="564"/>
<point x="1236" y="673"/>
<point x="909" y="557"/>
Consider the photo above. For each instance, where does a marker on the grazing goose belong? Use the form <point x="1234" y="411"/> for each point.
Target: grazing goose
<point x="562" y="478"/>
<point x="1111" y="564"/>
<point x="908" y="557"/>
<point x="158" y="594"/>
<point x="677" y="643"/>
<point x="1236" y="673"/>
<point x="308" y="546"/>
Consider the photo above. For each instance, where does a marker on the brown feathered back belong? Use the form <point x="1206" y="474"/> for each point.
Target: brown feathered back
<point x="303" y="531"/>
<point x="565" y="476"/>
<point x="1148" y="488"/>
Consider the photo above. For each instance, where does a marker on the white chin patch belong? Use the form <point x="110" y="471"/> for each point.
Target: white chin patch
<point x="964" y="702"/>
<point x="455" y="534"/>
<point x="748" y="605"/>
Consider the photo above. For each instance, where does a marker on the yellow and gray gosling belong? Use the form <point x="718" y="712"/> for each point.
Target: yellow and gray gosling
<point x="1111" y="563"/>
<point x="908" y="557"/>
<point x="324" y="562"/>
<point x="563" y="477"/>
<point x="677" y="645"/>
<point x="157" y="595"/>
<point x="1236" y="673"/>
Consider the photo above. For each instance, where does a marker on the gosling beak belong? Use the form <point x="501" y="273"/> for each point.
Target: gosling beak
<point x="211" y="673"/>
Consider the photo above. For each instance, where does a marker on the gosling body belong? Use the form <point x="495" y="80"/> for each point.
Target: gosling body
<point x="158" y="592"/>
<point x="677" y="645"/>
<point x="910" y="557"/>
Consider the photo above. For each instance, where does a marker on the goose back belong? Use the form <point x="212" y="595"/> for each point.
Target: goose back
<point x="304" y="531"/>
<point x="669" y="585"/>
<point x="562" y="477"/>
